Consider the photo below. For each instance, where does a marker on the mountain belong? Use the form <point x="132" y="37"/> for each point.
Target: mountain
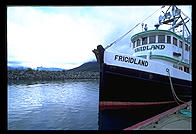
<point x="92" y="66"/>
<point x="16" y="68"/>
<point x="88" y="66"/>
<point x="49" y="69"/>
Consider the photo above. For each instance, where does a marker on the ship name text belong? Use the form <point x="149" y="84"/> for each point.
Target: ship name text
<point x="131" y="60"/>
<point x="152" y="47"/>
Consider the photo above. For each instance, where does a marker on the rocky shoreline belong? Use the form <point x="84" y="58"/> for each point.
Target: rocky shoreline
<point x="50" y="75"/>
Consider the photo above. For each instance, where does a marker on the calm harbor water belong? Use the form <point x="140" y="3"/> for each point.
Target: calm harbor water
<point x="54" y="105"/>
<point x="66" y="105"/>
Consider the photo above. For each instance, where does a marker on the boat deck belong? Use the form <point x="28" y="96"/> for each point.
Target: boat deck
<point x="177" y="118"/>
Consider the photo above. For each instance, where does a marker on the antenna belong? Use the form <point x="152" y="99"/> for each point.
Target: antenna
<point x="145" y="28"/>
<point x="142" y="26"/>
<point x="157" y="26"/>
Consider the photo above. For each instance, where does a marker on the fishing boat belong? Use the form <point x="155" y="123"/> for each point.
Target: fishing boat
<point x="157" y="70"/>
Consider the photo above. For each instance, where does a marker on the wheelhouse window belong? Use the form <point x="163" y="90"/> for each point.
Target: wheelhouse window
<point x="175" y="41"/>
<point x="186" y="69"/>
<point x="144" y="40"/>
<point x="186" y="47"/>
<point x="152" y="39"/>
<point x="168" y="39"/>
<point x="138" y="42"/>
<point x="180" y="45"/>
<point x="134" y="44"/>
<point x="161" y="38"/>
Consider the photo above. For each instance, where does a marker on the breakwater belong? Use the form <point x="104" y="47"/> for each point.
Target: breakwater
<point x="50" y="75"/>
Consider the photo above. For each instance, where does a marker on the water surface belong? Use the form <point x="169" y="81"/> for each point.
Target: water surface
<point x="53" y="105"/>
<point x="67" y="105"/>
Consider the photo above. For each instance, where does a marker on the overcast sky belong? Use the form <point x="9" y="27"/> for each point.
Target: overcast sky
<point x="64" y="36"/>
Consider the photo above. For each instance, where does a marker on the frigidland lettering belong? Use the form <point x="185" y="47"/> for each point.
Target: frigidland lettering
<point x="131" y="60"/>
<point x="152" y="47"/>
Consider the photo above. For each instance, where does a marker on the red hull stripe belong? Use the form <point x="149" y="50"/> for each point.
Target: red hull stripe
<point x="173" y="110"/>
<point x="116" y="105"/>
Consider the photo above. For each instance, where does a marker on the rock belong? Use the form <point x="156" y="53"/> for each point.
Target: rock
<point x="51" y="75"/>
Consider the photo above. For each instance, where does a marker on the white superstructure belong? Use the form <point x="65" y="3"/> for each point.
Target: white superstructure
<point x="157" y="50"/>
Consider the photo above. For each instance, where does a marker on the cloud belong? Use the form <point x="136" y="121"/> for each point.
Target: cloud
<point x="47" y="38"/>
<point x="65" y="36"/>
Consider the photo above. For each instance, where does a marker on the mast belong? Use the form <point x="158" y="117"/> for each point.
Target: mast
<point x="183" y="43"/>
<point x="190" y="56"/>
<point x="175" y="19"/>
<point x="190" y="62"/>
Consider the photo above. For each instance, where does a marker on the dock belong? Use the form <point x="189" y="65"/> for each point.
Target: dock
<point x="177" y="118"/>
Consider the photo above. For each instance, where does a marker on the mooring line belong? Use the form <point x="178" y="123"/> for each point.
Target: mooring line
<point x="177" y="100"/>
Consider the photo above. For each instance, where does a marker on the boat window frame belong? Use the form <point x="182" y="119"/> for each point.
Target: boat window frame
<point x="146" y="41"/>
<point x="152" y="41"/>
<point x="186" y="47"/>
<point x="186" y="69"/>
<point x="161" y="40"/>
<point x="138" y="44"/>
<point x="168" y="39"/>
<point x="134" y="44"/>
<point x="175" y="42"/>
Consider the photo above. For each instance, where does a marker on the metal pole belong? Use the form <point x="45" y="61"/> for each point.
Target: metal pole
<point x="190" y="54"/>
<point x="183" y="43"/>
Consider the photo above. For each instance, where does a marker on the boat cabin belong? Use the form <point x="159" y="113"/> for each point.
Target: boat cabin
<point x="164" y="46"/>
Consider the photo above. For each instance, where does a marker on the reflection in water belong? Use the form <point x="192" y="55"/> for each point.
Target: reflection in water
<point x="56" y="105"/>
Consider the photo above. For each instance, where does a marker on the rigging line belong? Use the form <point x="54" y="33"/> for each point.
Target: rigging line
<point x="184" y="14"/>
<point x="185" y="24"/>
<point x="130" y="30"/>
<point x="151" y="14"/>
<point x="121" y="37"/>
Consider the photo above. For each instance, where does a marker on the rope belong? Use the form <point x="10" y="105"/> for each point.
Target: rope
<point x="130" y="30"/>
<point x="121" y="37"/>
<point x="173" y="91"/>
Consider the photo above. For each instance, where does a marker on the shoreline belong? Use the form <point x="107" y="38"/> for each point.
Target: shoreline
<point x="50" y="75"/>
